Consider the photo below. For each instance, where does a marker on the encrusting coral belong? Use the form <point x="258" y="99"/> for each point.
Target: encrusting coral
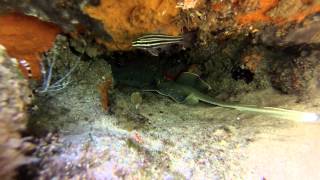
<point x="125" y="20"/>
<point x="26" y="37"/>
<point x="258" y="15"/>
<point x="275" y="11"/>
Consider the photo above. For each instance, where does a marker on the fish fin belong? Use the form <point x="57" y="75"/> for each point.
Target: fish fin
<point x="153" y="52"/>
<point x="163" y="94"/>
<point x="172" y="90"/>
<point x="191" y="99"/>
<point x="172" y="95"/>
<point x="193" y="80"/>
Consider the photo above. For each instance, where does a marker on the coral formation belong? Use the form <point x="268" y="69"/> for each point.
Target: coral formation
<point x="125" y="20"/>
<point x="14" y="98"/>
<point x="218" y="6"/>
<point x="105" y="87"/>
<point x="308" y="33"/>
<point x="26" y="37"/>
<point x="300" y="16"/>
<point x="78" y="71"/>
<point x="296" y="75"/>
<point x="275" y="11"/>
<point x="65" y="13"/>
<point x="251" y="60"/>
<point x="188" y="4"/>
<point x="259" y="14"/>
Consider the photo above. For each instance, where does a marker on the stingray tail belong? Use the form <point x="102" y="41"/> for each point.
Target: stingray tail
<point x="278" y="113"/>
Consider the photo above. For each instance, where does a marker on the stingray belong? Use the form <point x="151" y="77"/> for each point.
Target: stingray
<point x="190" y="89"/>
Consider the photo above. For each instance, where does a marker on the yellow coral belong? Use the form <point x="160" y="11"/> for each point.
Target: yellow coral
<point x="125" y="20"/>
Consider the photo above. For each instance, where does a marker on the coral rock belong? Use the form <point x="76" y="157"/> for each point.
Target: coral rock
<point x="125" y="20"/>
<point x="14" y="97"/>
<point x="26" y="37"/>
<point x="258" y="15"/>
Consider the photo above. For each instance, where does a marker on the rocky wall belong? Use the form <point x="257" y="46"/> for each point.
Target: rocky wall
<point x="15" y="96"/>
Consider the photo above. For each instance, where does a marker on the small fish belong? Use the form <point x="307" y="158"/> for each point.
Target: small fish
<point x="155" y="43"/>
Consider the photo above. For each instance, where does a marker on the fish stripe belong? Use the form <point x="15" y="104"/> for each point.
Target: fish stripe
<point x="154" y="40"/>
<point x="157" y="39"/>
<point x="154" y="44"/>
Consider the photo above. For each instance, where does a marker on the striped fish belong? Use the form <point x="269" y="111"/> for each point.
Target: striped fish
<point x="154" y="43"/>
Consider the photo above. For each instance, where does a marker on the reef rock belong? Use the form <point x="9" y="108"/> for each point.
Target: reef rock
<point x="15" y="95"/>
<point x="126" y="20"/>
<point x="115" y="23"/>
<point x="26" y="38"/>
<point x="67" y="14"/>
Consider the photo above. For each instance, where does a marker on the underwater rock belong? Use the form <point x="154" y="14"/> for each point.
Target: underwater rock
<point x="72" y="71"/>
<point x="188" y="4"/>
<point x="234" y="66"/>
<point x="116" y="23"/>
<point x="307" y="33"/>
<point x="136" y="99"/>
<point x="275" y="11"/>
<point x="258" y="14"/>
<point x="126" y="20"/>
<point x="251" y="60"/>
<point x="302" y="34"/>
<point x="67" y="15"/>
<point x="27" y="43"/>
<point x="296" y="75"/>
<point x="15" y="95"/>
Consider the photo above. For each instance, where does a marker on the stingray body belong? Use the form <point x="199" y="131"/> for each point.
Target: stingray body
<point x="190" y="89"/>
